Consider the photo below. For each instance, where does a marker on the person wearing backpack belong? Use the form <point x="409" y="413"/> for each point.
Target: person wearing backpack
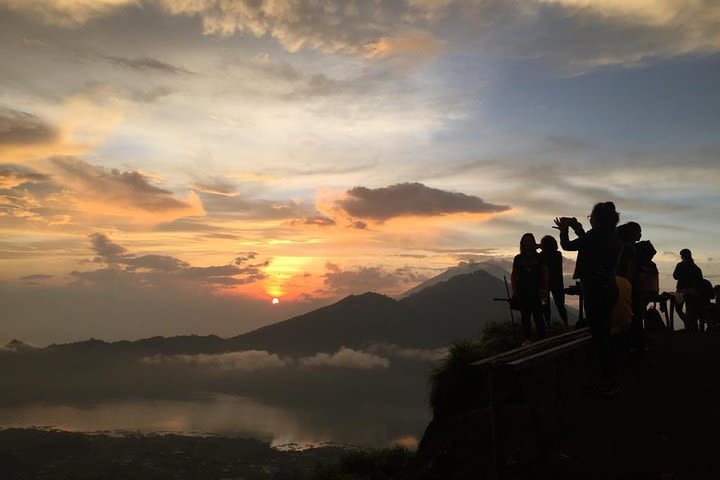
<point x="530" y="286"/>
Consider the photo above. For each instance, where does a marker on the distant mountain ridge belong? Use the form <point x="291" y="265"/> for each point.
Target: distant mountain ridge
<point x="498" y="268"/>
<point x="454" y="307"/>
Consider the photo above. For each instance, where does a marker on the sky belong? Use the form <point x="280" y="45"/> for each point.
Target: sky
<point x="170" y="166"/>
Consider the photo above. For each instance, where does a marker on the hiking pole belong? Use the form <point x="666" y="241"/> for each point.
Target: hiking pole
<point x="508" y="300"/>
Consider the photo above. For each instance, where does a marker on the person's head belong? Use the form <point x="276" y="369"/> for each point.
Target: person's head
<point x="604" y="216"/>
<point x="548" y="244"/>
<point x="528" y="243"/>
<point x="686" y="254"/>
<point x="629" y="232"/>
<point x="646" y="251"/>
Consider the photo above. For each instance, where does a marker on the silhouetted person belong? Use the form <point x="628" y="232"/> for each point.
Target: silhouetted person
<point x="712" y="314"/>
<point x="598" y="252"/>
<point x="629" y="234"/>
<point x="552" y="259"/>
<point x="646" y="285"/>
<point x="530" y="285"/>
<point x="688" y="276"/>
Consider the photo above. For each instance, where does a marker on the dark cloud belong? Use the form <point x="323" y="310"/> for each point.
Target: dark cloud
<point x="106" y="250"/>
<point x="241" y="206"/>
<point x="116" y="187"/>
<point x="153" y="269"/>
<point x="358" y="225"/>
<point x="406" y="199"/>
<point x="319" y="220"/>
<point x="367" y="279"/>
<point x="244" y="257"/>
<point x="148" y="64"/>
<point x="12" y="176"/>
<point x="22" y="128"/>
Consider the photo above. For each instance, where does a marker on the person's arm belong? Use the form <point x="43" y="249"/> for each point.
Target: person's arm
<point x="565" y="242"/>
<point x="676" y="273"/>
<point x="513" y="278"/>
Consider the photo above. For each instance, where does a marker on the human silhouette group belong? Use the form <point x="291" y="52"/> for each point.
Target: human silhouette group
<point x="616" y="278"/>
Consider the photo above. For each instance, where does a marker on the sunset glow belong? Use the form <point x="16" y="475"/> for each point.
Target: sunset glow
<point x="193" y="159"/>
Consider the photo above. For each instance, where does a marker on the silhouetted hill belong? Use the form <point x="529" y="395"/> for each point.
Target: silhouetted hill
<point x="430" y="318"/>
<point x="183" y="344"/>
<point x="457" y="308"/>
<point x="355" y="321"/>
<point x="495" y="267"/>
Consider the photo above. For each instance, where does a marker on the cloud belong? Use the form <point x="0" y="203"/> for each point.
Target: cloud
<point x="218" y="187"/>
<point x="12" y="176"/>
<point x="575" y="35"/>
<point x="67" y="13"/>
<point x="411" y="199"/>
<point x="154" y="269"/>
<point x="329" y="25"/>
<point x="30" y="197"/>
<point x="37" y="276"/>
<point x="148" y="64"/>
<point x="318" y="220"/>
<point x="220" y="205"/>
<point x="22" y="128"/>
<point x="125" y="193"/>
<point x="390" y="350"/>
<point x="367" y="279"/>
<point x="245" y="361"/>
<point x="345" y="358"/>
<point x="358" y="225"/>
<point x="415" y="44"/>
<point x="244" y="257"/>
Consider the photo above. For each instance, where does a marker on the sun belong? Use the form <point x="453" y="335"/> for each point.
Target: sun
<point x="275" y="301"/>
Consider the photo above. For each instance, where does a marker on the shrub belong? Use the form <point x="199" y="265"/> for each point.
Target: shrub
<point x="453" y="385"/>
<point x="372" y="464"/>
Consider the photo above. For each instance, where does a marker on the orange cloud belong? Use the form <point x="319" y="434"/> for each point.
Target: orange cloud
<point x="130" y="194"/>
<point x="415" y="44"/>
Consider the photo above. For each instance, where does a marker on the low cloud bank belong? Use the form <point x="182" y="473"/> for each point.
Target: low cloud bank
<point x="246" y="361"/>
<point x="345" y="358"/>
<point x="375" y="356"/>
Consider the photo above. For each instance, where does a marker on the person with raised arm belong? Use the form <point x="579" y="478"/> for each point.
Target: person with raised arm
<point x="598" y="252"/>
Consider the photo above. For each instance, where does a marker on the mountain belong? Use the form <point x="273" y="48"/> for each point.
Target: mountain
<point x="432" y="317"/>
<point x="498" y="268"/>
<point x="457" y="308"/>
<point x="355" y="322"/>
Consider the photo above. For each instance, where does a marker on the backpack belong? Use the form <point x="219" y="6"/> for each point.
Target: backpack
<point x="705" y="289"/>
